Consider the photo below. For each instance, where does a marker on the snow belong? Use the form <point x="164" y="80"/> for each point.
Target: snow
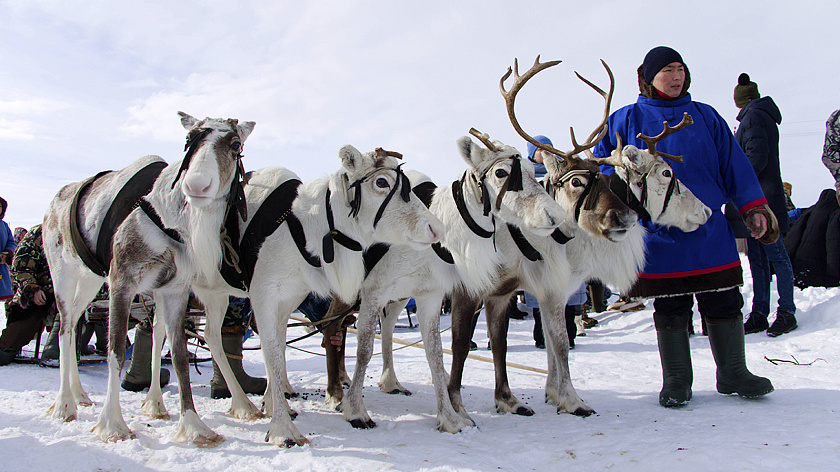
<point x="615" y="370"/>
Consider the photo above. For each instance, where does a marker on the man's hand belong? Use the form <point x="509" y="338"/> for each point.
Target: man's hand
<point x="39" y="297"/>
<point x="336" y="338"/>
<point x="757" y="225"/>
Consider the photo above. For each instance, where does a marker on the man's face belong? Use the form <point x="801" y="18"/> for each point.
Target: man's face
<point x="670" y="79"/>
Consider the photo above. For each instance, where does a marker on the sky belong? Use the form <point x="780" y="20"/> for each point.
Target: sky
<point x="615" y="369"/>
<point x="94" y="85"/>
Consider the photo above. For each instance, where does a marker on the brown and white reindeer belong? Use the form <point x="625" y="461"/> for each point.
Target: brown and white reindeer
<point x="497" y="187"/>
<point x="599" y="239"/>
<point x="162" y="232"/>
<point x="329" y="222"/>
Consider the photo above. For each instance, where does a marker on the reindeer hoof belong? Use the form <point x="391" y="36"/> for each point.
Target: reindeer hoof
<point x="362" y="424"/>
<point x="582" y="412"/>
<point x="289" y="396"/>
<point x="524" y="411"/>
<point x="397" y="391"/>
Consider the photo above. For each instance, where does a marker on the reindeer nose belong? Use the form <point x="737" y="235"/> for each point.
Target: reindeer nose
<point x="198" y="184"/>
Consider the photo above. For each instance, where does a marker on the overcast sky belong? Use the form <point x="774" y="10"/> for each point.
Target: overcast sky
<point x="93" y="85"/>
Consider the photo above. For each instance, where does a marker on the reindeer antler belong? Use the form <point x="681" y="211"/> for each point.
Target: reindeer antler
<point x="379" y="152"/>
<point x="484" y="138"/>
<point x="614" y="159"/>
<point x="520" y="80"/>
<point x="651" y="141"/>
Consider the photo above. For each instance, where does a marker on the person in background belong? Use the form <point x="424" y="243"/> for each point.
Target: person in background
<point x="758" y="135"/>
<point x="31" y="304"/>
<point x="831" y="149"/>
<point x="788" y="193"/>
<point x="19" y="234"/>
<point x="702" y="264"/>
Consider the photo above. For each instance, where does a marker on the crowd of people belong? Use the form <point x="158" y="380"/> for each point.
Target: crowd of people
<point x="737" y="175"/>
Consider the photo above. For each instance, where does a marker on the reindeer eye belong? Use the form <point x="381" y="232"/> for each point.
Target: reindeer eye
<point x="666" y="173"/>
<point x="382" y="183"/>
<point x="501" y="173"/>
<point x="576" y="182"/>
<point x="235" y="146"/>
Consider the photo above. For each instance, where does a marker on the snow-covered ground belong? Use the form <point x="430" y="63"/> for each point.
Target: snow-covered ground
<point x="615" y="369"/>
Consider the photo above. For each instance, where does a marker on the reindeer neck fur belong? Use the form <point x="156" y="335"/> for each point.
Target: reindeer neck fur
<point x="476" y="257"/>
<point x="548" y="274"/>
<point x="344" y="276"/>
<point x="199" y="227"/>
<point x="615" y="263"/>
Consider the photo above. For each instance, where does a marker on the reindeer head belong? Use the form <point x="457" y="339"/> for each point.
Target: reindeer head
<point x="584" y="192"/>
<point x="577" y="185"/>
<point x="213" y="158"/>
<point x="652" y="182"/>
<point x="503" y="183"/>
<point x="379" y="197"/>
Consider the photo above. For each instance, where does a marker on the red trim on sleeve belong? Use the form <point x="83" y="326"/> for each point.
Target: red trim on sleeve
<point x="749" y="206"/>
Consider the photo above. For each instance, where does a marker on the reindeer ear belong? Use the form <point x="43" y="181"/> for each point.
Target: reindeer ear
<point x="246" y="128"/>
<point x="351" y="158"/>
<point x="466" y="147"/>
<point x="187" y="121"/>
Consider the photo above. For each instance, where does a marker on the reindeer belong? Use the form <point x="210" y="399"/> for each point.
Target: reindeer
<point x="368" y="201"/>
<point x="159" y="244"/>
<point x="599" y="239"/>
<point x="497" y="185"/>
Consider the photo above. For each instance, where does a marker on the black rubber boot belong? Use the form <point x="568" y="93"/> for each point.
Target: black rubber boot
<point x="7" y="356"/>
<point x="513" y="310"/>
<point x="139" y="375"/>
<point x="232" y="345"/>
<point x="677" y="374"/>
<point x="596" y="296"/>
<point x="50" y="353"/>
<point x="726" y="338"/>
<point x="571" y="327"/>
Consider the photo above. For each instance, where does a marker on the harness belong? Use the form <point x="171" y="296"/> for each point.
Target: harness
<point x="639" y="205"/>
<point x="126" y="201"/>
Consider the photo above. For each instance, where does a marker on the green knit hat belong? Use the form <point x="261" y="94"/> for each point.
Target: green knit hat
<point x="745" y="91"/>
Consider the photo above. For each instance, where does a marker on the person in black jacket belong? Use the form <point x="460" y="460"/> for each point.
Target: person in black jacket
<point x="758" y="135"/>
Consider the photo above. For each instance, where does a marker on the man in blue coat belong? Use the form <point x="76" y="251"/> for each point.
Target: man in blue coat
<point x="703" y="264"/>
<point x="758" y="136"/>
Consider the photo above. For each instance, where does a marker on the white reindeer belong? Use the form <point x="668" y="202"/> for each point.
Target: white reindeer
<point x="159" y="248"/>
<point x="606" y="244"/>
<point x="498" y="186"/>
<point x="367" y="201"/>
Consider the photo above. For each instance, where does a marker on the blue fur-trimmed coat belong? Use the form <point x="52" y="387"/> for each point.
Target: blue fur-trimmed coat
<point x="716" y="170"/>
<point x="7" y="245"/>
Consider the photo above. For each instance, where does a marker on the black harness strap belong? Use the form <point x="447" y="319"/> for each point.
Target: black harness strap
<point x="373" y="254"/>
<point x="273" y="211"/>
<point x="335" y="235"/>
<point x="128" y="198"/>
<point x="623" y="190"/>
<point x="296" y="230"/>
<point x="560" y="236"/>
<point x="79" y="245"/>
<point x="458" y="195"/>
<point x="149" y="210"/>
<point x="527" y="250"/>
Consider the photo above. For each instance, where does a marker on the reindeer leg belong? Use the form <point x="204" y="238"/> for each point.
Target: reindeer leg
<point x="559" y="390"/>
<point x="388" y="382"/>
<point x="495" y="308"/>
<point x="463" y="311"/>
<point x="273" y="317"/>
<point x="215" y="305"/>
<point x="190" y="426"/>
<point x="428" y="315"/>
<point x="79" y="289"/>
<point x="153" y="405"/>
<point x="110" y="426"/>
<point x="335" y="358"/>
<point x="352" y="406"/>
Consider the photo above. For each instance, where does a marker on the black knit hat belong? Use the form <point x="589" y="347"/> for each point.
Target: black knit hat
<point x="745" y="91"/>
<point x="656" y="59"/>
